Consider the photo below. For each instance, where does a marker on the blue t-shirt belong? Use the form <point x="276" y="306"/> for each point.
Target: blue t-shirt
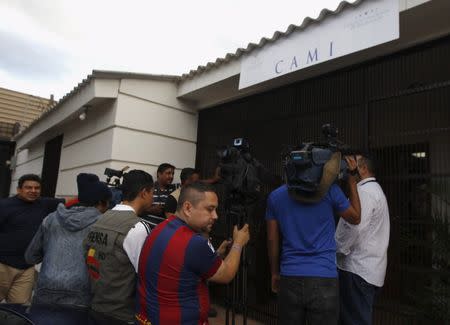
<point x="307" y="230"/>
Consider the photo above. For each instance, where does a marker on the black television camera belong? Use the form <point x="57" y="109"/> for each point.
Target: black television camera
<point x="113" y="177"/>
<point x="240" y="172"/>
<point x="242" y="177"/>
<point x="304" y="164"/>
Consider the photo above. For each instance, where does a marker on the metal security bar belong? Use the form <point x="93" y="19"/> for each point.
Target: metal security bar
<point x="398" y="107"/>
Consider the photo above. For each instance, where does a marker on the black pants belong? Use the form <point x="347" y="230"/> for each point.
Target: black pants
<point x="308" y="299"/>
<point x="356" y="299"/>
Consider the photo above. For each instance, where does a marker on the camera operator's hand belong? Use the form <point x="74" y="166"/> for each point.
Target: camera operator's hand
<point x="241" y="236"/>
<point x="230" y="265"/>
<point x="352" y="165"/>
<point x="353" y="214"/>
<point x="223" y="248"/>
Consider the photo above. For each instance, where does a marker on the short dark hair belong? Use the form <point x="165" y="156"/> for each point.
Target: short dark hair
<point x="134" y="182"/>
<point x="187" y="172"/>
<point x="29" y="177"/>
<point x="193" y="193"/>
<point x="162" y="168"/>
<point x="367" y="160"/>
<point x="91" y="190"/>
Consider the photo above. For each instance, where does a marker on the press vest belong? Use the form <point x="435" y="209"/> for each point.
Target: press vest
<point x="112" y="276"/>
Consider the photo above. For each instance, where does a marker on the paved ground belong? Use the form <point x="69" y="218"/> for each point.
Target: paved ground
<point x="220" y="319"/>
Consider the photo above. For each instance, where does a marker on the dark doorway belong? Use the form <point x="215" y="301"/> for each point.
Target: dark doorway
<point x="6" y="152"/>
<point x="50" y="168"/>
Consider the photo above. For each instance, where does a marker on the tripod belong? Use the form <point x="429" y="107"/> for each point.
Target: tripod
<point x="236" y="300"/>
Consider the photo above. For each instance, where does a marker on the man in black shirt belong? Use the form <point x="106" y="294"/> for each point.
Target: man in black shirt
<point x="20" y="218"/>
<point x="163" y="188"/>
<point x="188" y="176"/>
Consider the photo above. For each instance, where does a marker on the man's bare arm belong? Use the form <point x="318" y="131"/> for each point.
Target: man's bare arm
<point x="353" y="213"/>
<point x="273" y="250"/>
<point x="230" y="265"/>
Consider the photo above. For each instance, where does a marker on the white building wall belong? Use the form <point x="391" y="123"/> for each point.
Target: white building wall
<point x="87" y="147"/>
<point x="29" y="161"/>
<point x="408" y="4"/>
<point x="153" y="127"/>
<point x="144" y="126"/>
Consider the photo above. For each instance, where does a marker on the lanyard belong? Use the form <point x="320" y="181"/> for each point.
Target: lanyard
<point x="371" y="181"/>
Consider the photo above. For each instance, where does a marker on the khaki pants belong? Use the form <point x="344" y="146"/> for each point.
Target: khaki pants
<point x="15" y="284"/>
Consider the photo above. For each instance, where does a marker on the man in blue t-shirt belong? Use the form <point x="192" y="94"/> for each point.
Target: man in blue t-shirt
<point x="305" y="275"/>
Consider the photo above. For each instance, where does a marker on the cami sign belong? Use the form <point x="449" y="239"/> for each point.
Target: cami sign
<point x="354" y="29"/>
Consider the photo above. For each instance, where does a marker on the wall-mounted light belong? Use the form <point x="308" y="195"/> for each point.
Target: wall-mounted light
<point x="83" y="114"/>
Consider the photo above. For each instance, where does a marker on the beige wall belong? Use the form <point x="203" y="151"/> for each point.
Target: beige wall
<point x="408" y="4"/>
<point x="148" y="116"/>
<point x="153" y="126"/>
<point x="27" y="161"/>
<point x="157" y="91"/>
<point x="87" y="147"/>
<point x="142" y="127"/>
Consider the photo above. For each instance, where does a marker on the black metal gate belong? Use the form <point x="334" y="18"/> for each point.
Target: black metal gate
<point x="399" y="108"/>
<point x="410" y="135"/>
<point x="50" y="166"/>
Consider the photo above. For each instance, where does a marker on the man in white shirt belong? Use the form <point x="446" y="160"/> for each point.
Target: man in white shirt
<point x="362" y="249"/>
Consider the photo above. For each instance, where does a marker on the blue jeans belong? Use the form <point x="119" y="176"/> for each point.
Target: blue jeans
<point x="308" y="299"/>
<point x="356" y="299"/>
<point x="57" y="314"/>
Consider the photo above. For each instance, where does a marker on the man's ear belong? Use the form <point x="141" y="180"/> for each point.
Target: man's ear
<point x="149" y="193"/>
<point x="362" y="167"/>
<point x="187" y="208"/>
<point x="142" y="193"/>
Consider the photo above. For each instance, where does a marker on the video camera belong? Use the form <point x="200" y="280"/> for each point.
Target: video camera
<point x="241" y="176"/>
<point x="239" y="171"/>
<point x="304" y="164"/>
<point x="114" y="184"/>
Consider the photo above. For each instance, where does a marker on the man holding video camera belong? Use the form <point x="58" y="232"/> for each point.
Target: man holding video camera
<point x="305" y="275"/>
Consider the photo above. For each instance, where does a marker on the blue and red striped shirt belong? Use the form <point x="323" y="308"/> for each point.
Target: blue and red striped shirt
<point x="174" y="264"/>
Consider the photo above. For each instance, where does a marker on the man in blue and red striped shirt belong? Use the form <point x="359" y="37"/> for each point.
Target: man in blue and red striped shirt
<point x="176" y="260"/>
